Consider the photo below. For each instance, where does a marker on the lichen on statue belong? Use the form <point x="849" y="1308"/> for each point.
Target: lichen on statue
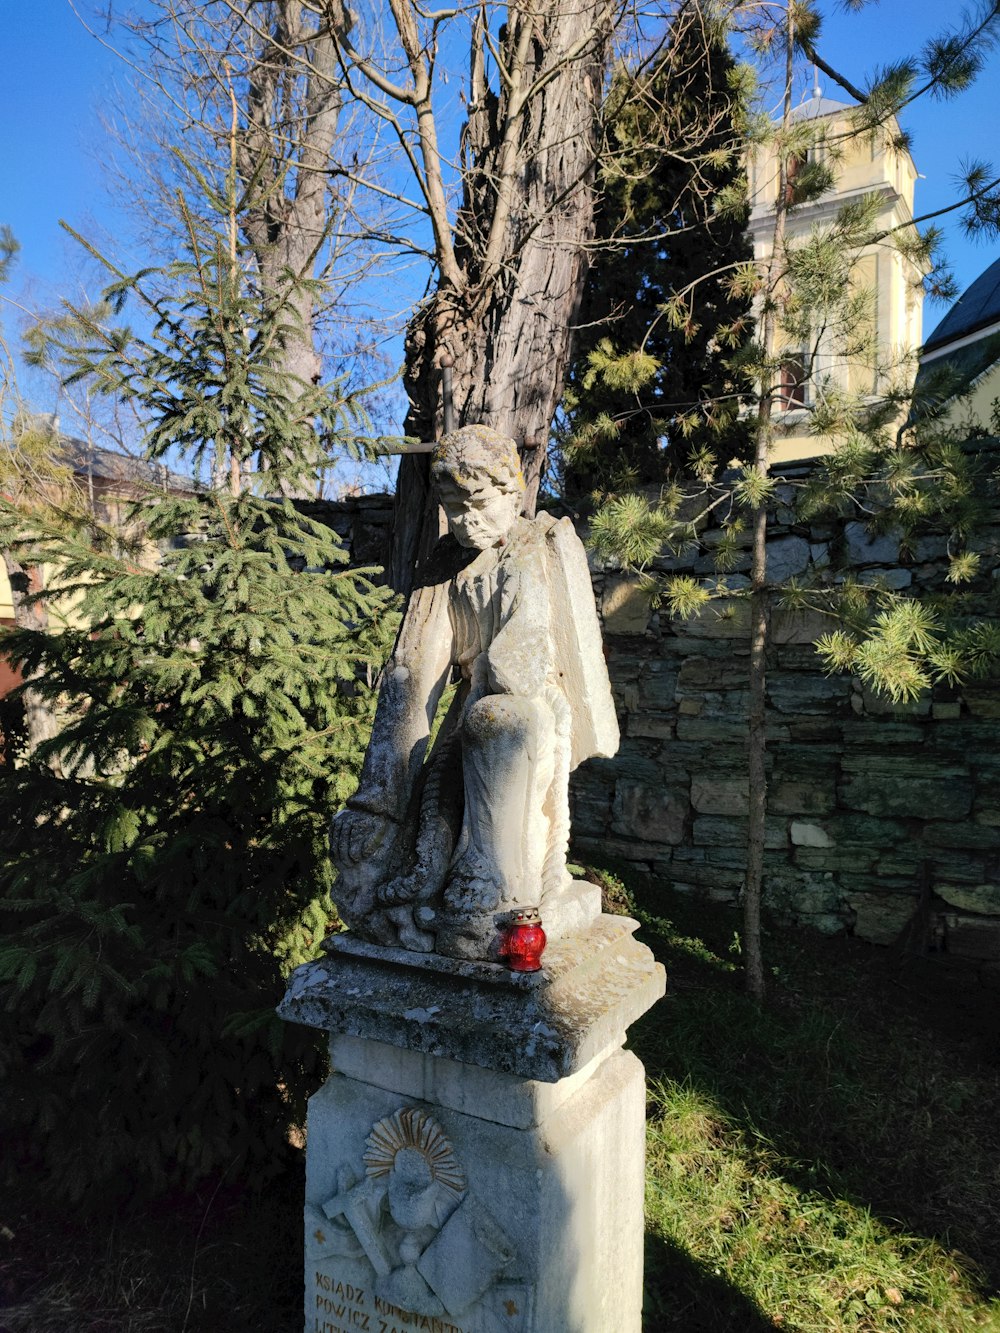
<point x="435" y="852"/>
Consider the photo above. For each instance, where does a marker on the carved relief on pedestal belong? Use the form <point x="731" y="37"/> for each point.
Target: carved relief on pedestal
<point x="435" y="1249"/>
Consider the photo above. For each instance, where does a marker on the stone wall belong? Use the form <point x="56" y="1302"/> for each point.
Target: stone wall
<point x="881" y="817"/>
<point x="875" y="811"/>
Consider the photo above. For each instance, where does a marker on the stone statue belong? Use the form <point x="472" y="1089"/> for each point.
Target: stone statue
<point x="440" y="844"/>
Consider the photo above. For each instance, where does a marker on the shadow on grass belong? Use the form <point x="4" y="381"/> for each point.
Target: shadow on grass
<point x="851" y="1086"/>
<point x="683" y="1295"/>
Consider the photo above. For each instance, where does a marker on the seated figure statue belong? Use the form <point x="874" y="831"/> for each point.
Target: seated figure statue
<point x="435" y="851"/>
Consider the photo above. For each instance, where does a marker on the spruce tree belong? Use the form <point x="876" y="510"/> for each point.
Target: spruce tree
<point x="655" y="381"/>
<point x="212" y="683"/>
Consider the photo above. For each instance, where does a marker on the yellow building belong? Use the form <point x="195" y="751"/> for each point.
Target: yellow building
<point x="861" y="165"/>
<point x="109" y="483"/>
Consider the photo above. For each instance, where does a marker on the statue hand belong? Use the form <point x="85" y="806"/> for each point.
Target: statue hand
<point x="355" y="835"/>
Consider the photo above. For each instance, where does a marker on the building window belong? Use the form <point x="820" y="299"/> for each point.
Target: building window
<point x="792" y="389"/>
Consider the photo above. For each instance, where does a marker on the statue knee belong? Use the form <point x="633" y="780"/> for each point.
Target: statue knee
<point x="500" y="717"/>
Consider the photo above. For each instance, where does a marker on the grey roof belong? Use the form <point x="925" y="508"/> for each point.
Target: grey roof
<point x="977" y="308"/>
<point x="88" y="460"/>
<point x="817" y="106"/>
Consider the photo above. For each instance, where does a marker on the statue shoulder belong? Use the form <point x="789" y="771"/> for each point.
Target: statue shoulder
<point x="446" y="559"/>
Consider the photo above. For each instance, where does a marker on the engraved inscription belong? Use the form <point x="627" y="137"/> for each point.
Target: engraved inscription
<point x="343" y="1307"/>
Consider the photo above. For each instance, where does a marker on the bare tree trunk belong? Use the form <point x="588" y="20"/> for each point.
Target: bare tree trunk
<point x="760" y="598"/>
<point x="292" y="121"/>
<point x="505" y="311"/>
<point x="39" y="715"/>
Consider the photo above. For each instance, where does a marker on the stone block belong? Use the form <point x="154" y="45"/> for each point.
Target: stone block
<point x="715" y="831"/>
<point x="727" y="618"/>
<point x="809" y="835"/>
<point x="797" y="625"/>
<point x="972" y="937"/>
<point x="625" y="607"/>
<point x="791" y="797"/>
<point x="983" y="899"/>
<point x="786" y="558"/>
<point x="982" y="701"/>
<point x="880" y="705"/>
<point x="866" y="734"/>
<point x="963" y="837"/>
<point x="798" y="692"/>
<point x="712" y="673"/>
<point x="946" y="710"/>
<point x="894" y="578"/>
<point x="805" y="895"/>
<point x="838" y="860"/>
<point x="645" y="722"/>
<point x="542" y="1025"/>
<point x="419" y="1215"/>
<point x="880" y="917"/>
<point x="651" y="813"/>
<point x="657" y="685"/>
<point x="986" y="811"/>
<point x="865" y="548"/>
<point x="719" y="796"/>
<point x="880" y="786"/>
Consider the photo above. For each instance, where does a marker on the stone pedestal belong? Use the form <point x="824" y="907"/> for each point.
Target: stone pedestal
<point x="475" y="1162"/>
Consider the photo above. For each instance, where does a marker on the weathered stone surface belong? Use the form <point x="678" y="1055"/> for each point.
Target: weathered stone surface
<point x="795" y="692"/>
<point x="797" y="626"/>
<point x="894" y="579"/>
<point x="880" y="786"/>
<point x="715" y="831"/>
<point x="420" y="1215"/>
<point x="981" y="898"/>
<point x="594" y="985"/>
<point x="712" y="673"/>
<point x="786" y="557"/>
<point x="880" y="917"/>
<point x="657" y="685"/>
<point x="653" y="814"/>
<point x="720" y="796"/>
<point x="625" y="606"/>
<point x="648" y="723"/>
<point x="808" y="896"/>
<point x="728" y="618"/>
<point x="880" y="705"/>
<point x="809" y="835"/>
<point x="864" y="548"/>
<point x="982" y="701"/>
<point x="430" y="863"/>
<point x="800" y="798"/>
<point x="840" y="860"/>
<point x="963" y="837"/>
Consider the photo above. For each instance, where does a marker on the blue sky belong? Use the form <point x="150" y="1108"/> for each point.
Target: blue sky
<point x="58" y="78"/>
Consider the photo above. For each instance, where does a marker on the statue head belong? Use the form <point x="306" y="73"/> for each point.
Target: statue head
<point x="479" y="482"/>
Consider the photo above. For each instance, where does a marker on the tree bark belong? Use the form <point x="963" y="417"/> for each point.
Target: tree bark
<point x="506" y="318"/>
<point x="293" y="104"/>
<point x="760" y="596"/>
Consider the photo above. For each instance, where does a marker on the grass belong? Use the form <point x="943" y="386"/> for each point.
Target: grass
<point x="829" y="1162"/>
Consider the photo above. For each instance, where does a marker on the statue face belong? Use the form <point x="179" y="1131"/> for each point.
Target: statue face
<point x="479" y="514"/>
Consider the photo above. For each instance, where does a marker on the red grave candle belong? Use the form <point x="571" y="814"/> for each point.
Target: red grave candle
<point x="523" y="941"/>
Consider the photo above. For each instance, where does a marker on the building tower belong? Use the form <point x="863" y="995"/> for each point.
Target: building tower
<point x="862" y="165"/>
